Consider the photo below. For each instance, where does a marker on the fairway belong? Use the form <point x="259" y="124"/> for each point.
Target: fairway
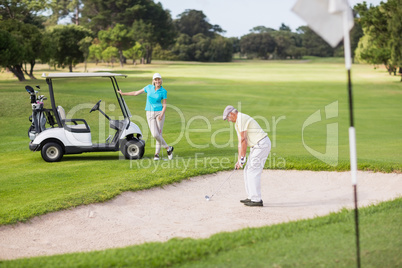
<point x="282" y="96"/>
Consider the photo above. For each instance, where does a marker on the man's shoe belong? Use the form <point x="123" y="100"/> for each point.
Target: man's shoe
<point x="170" y="152"/>
<point x="156" y="157"/>
<point x="245" y="200"/>
<point x="254" y="204"/>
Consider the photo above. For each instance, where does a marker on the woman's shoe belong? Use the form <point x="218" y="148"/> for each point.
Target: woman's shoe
<point x="170" y="152"/>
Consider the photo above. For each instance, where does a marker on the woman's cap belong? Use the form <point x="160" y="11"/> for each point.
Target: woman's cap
<point x="157" y="75"/>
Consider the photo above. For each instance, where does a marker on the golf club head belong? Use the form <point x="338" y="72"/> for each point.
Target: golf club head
<point x="29" y="89"/>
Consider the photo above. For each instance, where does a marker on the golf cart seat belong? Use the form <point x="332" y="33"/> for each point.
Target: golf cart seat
<point x="75" y="127"/>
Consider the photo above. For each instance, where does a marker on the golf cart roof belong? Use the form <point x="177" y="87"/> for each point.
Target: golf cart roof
<point x="70" y="75"/>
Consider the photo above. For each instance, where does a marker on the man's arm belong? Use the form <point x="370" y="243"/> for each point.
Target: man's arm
<point x="242" y="148"/>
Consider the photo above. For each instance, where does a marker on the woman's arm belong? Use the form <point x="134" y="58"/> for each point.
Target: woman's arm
<point x="163" y="110"/>
<point x="132" y="93"/>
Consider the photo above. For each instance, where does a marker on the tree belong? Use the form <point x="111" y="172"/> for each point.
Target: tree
<point x="110" y="54"/>
<point x="262" y="29"/>
<point x="284" y="28"/>
<point x="95" y="51"/>
<point x="355" y="34"/>
<point x="155" y="29"/>
<point x="25" y="11"/>
<point x="217" y="29"/>
<point x="66" y="39"/>
<point x="118" y="37"/>
<point x="199" y="40"/>
<point x="193" y="22"/>
<point x="257" y="44"/>
<point x="22" y="20"/>
<point x="267" y="43"/>
<point x="183" y="48"/>
<point x="152" y="24"/>
<point x="30" y="39"/>
<point x="121" y="40"/>
<point x="100" y="15"/>
<point x="75" y="7"/>
<point x="10" y="56"/>
<point x="143" y="32"/>
<point x="135" y="52"/>
<point x="84" y="45"/>
<point x="394" y="11"/>
<point x="201" y="47"/>
<point x="285" y="44"/>
<point x="235" y="44"/>
<point x="288" y="44"/>
<point x="163" y="54"/>
<point x="48" y="49"/>
<point x="314" y="44"/>
<point x="382" y="27"/>
<point x="65" y="8"/>
<point x="221" y="49"/>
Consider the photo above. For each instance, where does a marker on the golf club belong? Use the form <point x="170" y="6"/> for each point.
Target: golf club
<point x="210" y="197"/>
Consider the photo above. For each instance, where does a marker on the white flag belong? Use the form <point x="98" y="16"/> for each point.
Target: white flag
<point x="325" y="17"/>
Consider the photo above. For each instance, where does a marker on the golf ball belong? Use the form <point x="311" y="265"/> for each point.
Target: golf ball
<point x="207" y="198"/>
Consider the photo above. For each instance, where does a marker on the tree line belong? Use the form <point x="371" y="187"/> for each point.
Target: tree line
<point x="124" y="31"/>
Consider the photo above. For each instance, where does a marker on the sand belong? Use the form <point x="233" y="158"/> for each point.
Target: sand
<point x="181" y="210"/>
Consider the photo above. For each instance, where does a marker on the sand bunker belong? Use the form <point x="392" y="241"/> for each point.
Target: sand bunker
<point x="180" y="210"/>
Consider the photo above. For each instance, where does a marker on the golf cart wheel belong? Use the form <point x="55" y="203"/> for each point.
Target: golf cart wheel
<point x="52" y="152"/>
<point x="133" y="149"/>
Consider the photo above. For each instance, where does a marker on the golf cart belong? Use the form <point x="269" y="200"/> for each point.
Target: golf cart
<point x="73" y="136"/>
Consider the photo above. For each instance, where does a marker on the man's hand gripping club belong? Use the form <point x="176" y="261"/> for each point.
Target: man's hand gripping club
<point x="240" y="163"/>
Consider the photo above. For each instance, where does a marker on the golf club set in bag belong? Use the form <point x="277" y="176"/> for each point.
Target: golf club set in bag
<point x="40" y="116"/>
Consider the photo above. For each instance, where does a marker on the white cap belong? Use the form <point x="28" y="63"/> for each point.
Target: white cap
<point x="156" y="75"/>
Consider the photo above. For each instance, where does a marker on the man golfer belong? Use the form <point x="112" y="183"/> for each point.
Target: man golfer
<point x="249" y="133"/>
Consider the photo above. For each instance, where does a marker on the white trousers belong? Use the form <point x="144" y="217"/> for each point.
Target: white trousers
<point x="253" y="169"/>
<point x="156" y="128"/>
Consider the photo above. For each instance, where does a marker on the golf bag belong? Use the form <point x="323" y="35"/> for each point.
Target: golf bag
<point x="40" y="116"/>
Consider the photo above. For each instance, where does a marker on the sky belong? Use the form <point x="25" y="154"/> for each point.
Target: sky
<point x="238" y="17"/>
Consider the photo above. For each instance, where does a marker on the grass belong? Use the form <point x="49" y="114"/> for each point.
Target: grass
<point x="327" y="241"/>
<point x="281" y="95"/>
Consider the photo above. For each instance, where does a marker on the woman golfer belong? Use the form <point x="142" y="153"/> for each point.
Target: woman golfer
<point x="155" y="107"/>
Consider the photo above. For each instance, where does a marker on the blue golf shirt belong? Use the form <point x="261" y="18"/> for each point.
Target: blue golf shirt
<point x="154" y="98"/>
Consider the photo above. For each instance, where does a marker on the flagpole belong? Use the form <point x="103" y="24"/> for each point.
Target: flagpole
<point x="324" y="17"/>
<point x="352" y="133"/>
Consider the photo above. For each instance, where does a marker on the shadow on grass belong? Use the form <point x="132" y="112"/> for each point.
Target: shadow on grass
<point x="71" y="158"/>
